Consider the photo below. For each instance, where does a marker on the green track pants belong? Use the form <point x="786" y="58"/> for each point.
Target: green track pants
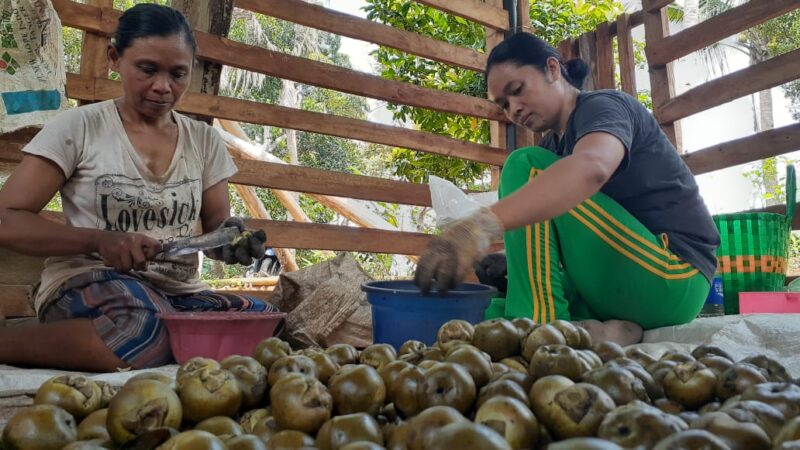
<point x="594" y="262"/>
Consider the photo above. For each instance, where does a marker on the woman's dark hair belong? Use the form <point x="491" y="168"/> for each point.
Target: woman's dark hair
<point x="525" y="49"/>
<point x="146" y="20"/>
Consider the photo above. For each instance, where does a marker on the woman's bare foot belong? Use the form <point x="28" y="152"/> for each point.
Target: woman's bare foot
<point x="622" y="332"/>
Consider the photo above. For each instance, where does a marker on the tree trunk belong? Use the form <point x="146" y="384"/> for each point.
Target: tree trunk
<point x="691" y="13"/>
<point x="769" y="176"/>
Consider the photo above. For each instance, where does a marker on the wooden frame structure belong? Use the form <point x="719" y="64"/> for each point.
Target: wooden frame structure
<point x="98" y="19"/>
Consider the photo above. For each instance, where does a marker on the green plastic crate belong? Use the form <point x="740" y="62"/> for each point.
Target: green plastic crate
<point x="753" y="253"/>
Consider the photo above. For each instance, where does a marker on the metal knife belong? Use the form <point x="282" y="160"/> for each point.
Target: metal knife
<point x="194" y="244"/>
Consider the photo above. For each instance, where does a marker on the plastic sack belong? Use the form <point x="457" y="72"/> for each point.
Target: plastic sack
<point x="451" y="203"/>
<point x="32" y="75"/>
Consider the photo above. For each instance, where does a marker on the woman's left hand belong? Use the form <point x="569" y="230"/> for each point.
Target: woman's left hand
<point x="451" y="256"/>
<point x="244" y="249"/>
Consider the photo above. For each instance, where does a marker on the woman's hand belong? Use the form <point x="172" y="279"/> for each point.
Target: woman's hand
<point x="125" y="251"/>
<point x="452" y="255"/>
<point x="244" y="249"/>
<point x="492" y="271"/>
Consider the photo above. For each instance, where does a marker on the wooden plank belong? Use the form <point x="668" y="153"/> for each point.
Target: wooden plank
<point x="716" y="29"/>
<point x="627" y="62"/>
<point x="16" y="300"/>
<point x="765" y="75"/>
<point x="655" y="6"/>
<point x="279" y="116"/>
<point x="523" y="15"/>
<point x="587" y="51"/>
<point x="224" y="51"/>
<point x="605" y="57"/>
<point x="83" y="17"/>
<point x="765" y="144"/>
<point x="321" y="18"/>
<point x="16" y="268"/>
<point x="474" y="10"/>
<point x="635" y="19"/>
<point x="94" y="60"/>
<point x="661" y="78"/>
<point x="565" y="48"/>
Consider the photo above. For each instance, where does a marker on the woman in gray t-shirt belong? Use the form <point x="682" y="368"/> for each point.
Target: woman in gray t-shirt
<point x="602" y="224"/>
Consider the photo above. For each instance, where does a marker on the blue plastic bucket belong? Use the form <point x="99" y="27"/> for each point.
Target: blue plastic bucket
<point x="400" y="312"/>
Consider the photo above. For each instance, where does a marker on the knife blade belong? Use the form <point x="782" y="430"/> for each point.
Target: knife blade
<point x="194" y="244"/>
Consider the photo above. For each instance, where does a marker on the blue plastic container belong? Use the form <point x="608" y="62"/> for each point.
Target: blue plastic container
<point x="400" y="312"/>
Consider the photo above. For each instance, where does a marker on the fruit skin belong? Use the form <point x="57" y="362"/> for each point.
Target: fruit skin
<point x="576" y="411"/>
<point x="343" y="354"/>
<point x="737" y="435"/>
<point x="502" y="388"/>
<point x="300" y="403"/>
<point x="377" y="355"/>
<point x="94" y="444"/>
<point x="208" y="393"/>
<point x="785" y="397"/>
<point x="584" y="444"/>
<point x="220" y="426"/>
<point x="557" y="360"/>
<point x="737" y="378"/>
<point x="94" y="426"/>
<point x="270" y="350"/>
<point x="455" y="330"/>
<point x="342" y="430"/>
<point x="769" y="418"/>
<point x="423" y="427"/>
<point x="497" y="337"/>
<point x="511" y="419"/>
<point x="140" y="406"/>
<point x="76" y="394"/>
<point x="691" y="439"/>
<point x="608" y="350"/>
<point x="251" y="377"/>
<point x="193" y="440"/>
<point x="638" y="425"/>
<point x="404" y="391"/>
<point x="789" y="433"/>
<point x="40" y="427"/>
<point x="467" y="436"/>
<point x="291" y="364"/>
<point x="389" y="373"/>
<point x="357" y="388"/>
<point x="193" y="365"/>
<point x="470" y="358"/>
<point x="447" y="384"/>
<point x="691" y="384"/>
<point x="618" y="383"/>
<point x="245" y="442"/>
<point x="540" y="336"/>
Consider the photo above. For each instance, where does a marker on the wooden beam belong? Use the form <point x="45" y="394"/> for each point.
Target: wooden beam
<point x="523" y="14"/>
<point x="765" y="75"/>
<point x="321" y="18"/>
<point x="765" y="144"/>
<point x="565" y="48"/>
<point x="627" y="61"/>
<point x="636" y="19"/>
<point x="662" y="85"/>
<point x="716" y="29"/>
<point x="94" y="59"/>
<point x="655" y="5"/>
<point x="474" y="10"/>
<point x="605" y="57"/>
<point x="329" y="124"/>
<point x="587" y="51"/>
<point x="224" y="51"/>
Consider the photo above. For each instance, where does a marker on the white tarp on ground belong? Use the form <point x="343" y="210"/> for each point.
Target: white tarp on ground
<point x="775" y="335"/>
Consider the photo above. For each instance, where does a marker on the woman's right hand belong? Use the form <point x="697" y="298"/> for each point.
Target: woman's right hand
<point x="126" y="251"/>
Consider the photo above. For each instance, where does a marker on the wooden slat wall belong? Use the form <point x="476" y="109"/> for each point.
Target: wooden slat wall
<point x="605" y="57"/>
<point x="627" y="62"/>
<point x="474" y="10"/>
<point x="662" y="87"/>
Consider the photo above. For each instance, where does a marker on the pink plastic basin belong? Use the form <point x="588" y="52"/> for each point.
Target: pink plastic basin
<point x="769" y="302"/>
<point x="218" y="334"/>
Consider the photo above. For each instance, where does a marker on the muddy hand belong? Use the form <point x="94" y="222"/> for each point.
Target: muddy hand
<point x="246" y="247"/>
<point x="125" y="251"/>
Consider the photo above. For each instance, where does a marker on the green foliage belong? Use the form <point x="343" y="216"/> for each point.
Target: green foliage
<point x="554" y="20"/>
<point x="768" y="169"/>
<point x="782" y="35"/>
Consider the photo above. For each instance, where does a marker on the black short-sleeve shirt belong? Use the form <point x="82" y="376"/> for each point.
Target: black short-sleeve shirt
<point x="652" y="183"/>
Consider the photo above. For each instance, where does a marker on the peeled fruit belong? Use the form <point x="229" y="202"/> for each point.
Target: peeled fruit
<point x="591" y="358"/>
<point x="411" y="346"/>
<point x="343" y="354"/>
<point x="511" y="419"/>
<point x="660" y="369"/>
<point x="404" y="391"/>
<point x="250" y="419"/>
<point x="608" y="350"/>
<point x="618" y="383"/>
<point x="502" y="388"/>
<point x="94" y="426"/>
<point x="690" y="384"/>
<point x="584" y="443"/>
<point x="677" y="356"/>
<point x="497" y="337"/>
<point x="389" y="373"/>
<point x="251" y="377"/>
<point x="107" y="392"/>
<point x="467" y="436"/>
<point x="470" y="358"/>
<point x="447" y="384"/>
<point x="775" y="371"/>
<point x="341" y="430"/>
<point x="640" y="356"/>
<point x="716" y="363"/>
<point x="789" y="433"/>
<point x="377" y="355"/>
<point x="220" y="426"/>
<point x="557" y="360"/>
<point x="586" y="338"/>
<point x="157" y="376"/>
<point x="270" y="350"/>
<point x="737" y="378"/>
<point x="576" y="411"/>
<point x="326" y="366"/>
<point x="357" y="388"/>
<point x="524" y="326"/>
<point x="193" y="365"/>
<point x="785" y="397"/>
<point x="515" y="365"/>
<point x="194" y="440"/>
<point x="140" y="406"/>
<point x="710" y="350"/>
<point x="290" y="439"/>
<point x="692" y="439"/>
<point x="541" y="336"/>
<point x="76" y="394"/>
<point x="300" y="403"/>
<point x="245" y="442"/>
<point x="638" y="426"/>
<point x="427" y="424"/>
<point x="571" y="334"/>
<point x="300" y="364"/>
<point x="266" y="428"/>
<point x="208" y="393"/>
<point x="94" y="444"/>
<point x="735" y="434"/>
<point x="40" y="427"/>
<point x="455" y="330"/>
<point x="765" y="416"/>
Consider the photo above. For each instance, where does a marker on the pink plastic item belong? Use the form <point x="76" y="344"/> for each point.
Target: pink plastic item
<point x="219" y="334"/>
<point x="769" y="302"/>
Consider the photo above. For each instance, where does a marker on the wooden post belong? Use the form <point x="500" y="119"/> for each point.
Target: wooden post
<point x="587" y="50"/>
<point x="497" y="130"/>
<point x="662" y="88"/>
<point x="605" y="57"/>
<point x="627" y="63"/>
<point x="94" y="62"/>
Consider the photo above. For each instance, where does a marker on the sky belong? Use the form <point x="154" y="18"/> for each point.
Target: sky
<point x="724" y="190"/>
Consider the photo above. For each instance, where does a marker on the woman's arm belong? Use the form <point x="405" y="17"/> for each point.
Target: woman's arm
<point x="216" y="206"/>
<point x="565" y="184"/>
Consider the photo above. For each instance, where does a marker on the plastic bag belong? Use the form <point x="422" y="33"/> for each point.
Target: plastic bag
<point x="451" y="203"/>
